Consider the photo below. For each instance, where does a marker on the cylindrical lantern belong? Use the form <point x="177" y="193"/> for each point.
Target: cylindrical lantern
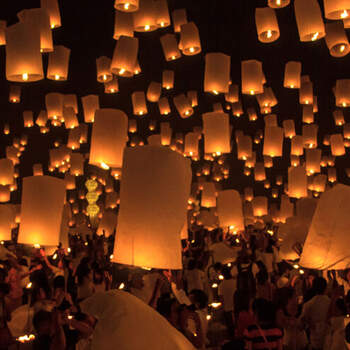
<point x="183" y="106"/>
<point x="252" y="114"/>
<point x="70" y="100"/>
<point x="313" y="161"/>
<point x="112" y="87"/>
<point x="217" y="73"/>
<point x="273" y="141"/>
<point x="179" y="17"/>
<point x="76" y="164"/>
<point x="190" y="43"/>
<point x="109" y="137"/>
<point x="127" y="5"/>
<point x="154" y="91"/>
<point x="193" y="97"/>
<point x="306" y="93"/>
<point x="260" y="206"/>
<point x="297" y="182"/>
<point x="336" y="39"/>
<point x="103" y="66"/>
<point x="244" y="147"/>
<point x="70" y="182"/>
<point x="310" y="135"/>
<point x="38" y="170"/>
<point x="208" y="195"/>
<point x="132" y="128"/>
<point x="54" y="12"/>
<point x="336" y="9"/>
<point x="266" y="24"/>
<point x="250" y="161"/>
<point x="140" y="237"/>
<point x="191" y="144"/>
<point x="268" y="162"/>
<point x="5" y="194"/>
<point x="70" y="119"/>
<point x="73" y="139"/>
<point x="123" y="25"/>
<point x="90" y="104"/>
<point x="41" y="212"/>
<point x="125" y="56"/>
<point x="6" y="222"/>
<point x="276" y="4"/>
<point x="170" y="47"/>
<point x="292" y="75"/>
<point x="139" y="103"/>
<point x="309" y="20"/>
<point x="15" y="94"/>
<point x="233" y="94"/>
<point x="342" y="93"/>
<point x="248" y="194"/>
<point x="252" y="77"/>
<point x="6" y="172"/>
<point x="346" y="131"/>
<point x="28" y="119"/>
<point x="297" y="147"/>
<point x="2" y="33"/>
<point x="168" y="79"/>
<point x="259" y="172"/>
<point x="54" y="105"/>
<point x="288" y="128"/>
<point x="23" y="57"/>
<point x="162" y="14"/>
<point x="320" y="182"/>
<point x="332" y="175"/>
<point x="337" y="145"/>
<point x="145" y="17"/>
<point x="308" y="115"/>
<point x="338" y="117"/>
<point x="165" y="134"/>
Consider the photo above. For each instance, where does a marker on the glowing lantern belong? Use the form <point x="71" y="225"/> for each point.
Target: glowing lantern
<point x="309" y="20"/>
<point x="123" y="25"/>
<point x="112" y="200"/>
<point x="306" y="93"/>
<point x="127" y="5"/>
<point x="292" y="75"/>
<point x="54" y="12"/>
<point x="266" y="25"/>
<point x="15" y="94"/>
<point x="140" y="238"/>
<point x="208" y="195"/>
<point x="41" y="212"/>
<point x="313" y="160"/>
<point x="289" y="128"/>
<point x="342" y="92"/>
<point x="259" y="172"/>
<point x="154" y="91"/>
<point x="183" y="106"/>
<point x="23" y="57"/>
<point x="337" y="145"/>
<point x="163" y="105"/>
<point x="28" y="119"/>
<point x="170" y="47"/>
<point x="248" y="194"/>
<point x="6" y="222"/>
<point x="5" y="193"/>
<point x="278" y="3"/>
<point x="38" y="170"/>
<point x="268" y="162"/>
<point x="250" y="161"/>
<point x="308" y="115"/>
<point x="338" y="117"/>
<point x="70" y="182"/>
<point x="73" y="139"/>
<point x="191" y="145"/>
<point x="297" y="146"/>
<point x="6" y="172"/>
<point x="145" y="17"/>
<point x="252" y="114"/>
<point x="132" y="126"/>
<point x="237" y="109"/>
<point x="70" y="118"/>
<point x="336" y="39"/>
<point x="273" y="141"/>
<point x="112" y="87"/>
<point x="259" y="206"/>
<point x="332" y="175"/>
<point x="162" y="13"/>
<point x="103" y="65"/>
<point x="192" y="96"/>
<point x="320" y="182"/>
<point x="244" y="147"/>
<point x="54" y="105"/>
<point x="125" y="56"/>
<point x="2" y="33"/>
<point x="252" y="77"/>
<point x="310" y="135"/>
<point x="76" y="164"/>
<point x="297" y="182"/>
<point x="233" y="93"/>
<point x="190" y="43"/>
<point x="70" y="100"/>
<point x="109" y="137"/>
<point x="217" y="73"/>
<point x="287" y="208"/>
<point x="168" y="79"/>
<point x="179" y="17"/>
<point x="336" y="9"/>
<point x="139" y="103"/>
<point x="270" y="120"/>
<point x="346" y="130"/>
<point x="90" y="104"/>
<point x="165" y="133"/>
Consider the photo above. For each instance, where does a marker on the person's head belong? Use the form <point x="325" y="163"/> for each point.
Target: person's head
<point x="42" y="322"/>
<point x="264" y="311"/>
<point x="319" y="285"/>
<point x="198" y="298"/>
<point x="59" y="282"/>
<point x="226" y="272"/>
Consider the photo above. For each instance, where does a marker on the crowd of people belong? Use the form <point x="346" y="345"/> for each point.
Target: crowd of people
<point x="247" y="299"/>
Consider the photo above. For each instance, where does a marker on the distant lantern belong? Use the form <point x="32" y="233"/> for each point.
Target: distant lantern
<point x="332" y="175"/>
<point x="342" y="93"/>
<point x="145" y="17"/>
<point x="127" y="5"/>
<point x="2" y="33"/>
<point x="288" y="128"/>
<point x="6" y="172"/>
<point x="112" y="87"/>
<point x="139" y="103"/>
<point x="250" y="161"/>
<point x="237" y="109"/>
<point x="140" y="237"/>
<point x="70" y="100"/>
<point x="297" y="147"/>
<point x="294" y="160"/>
<point x="287" y="208"/>
<point x="103" y="65"/>
<point x="233" y="94"/>
<point x="28" y="119"/>
<point x="306" y="93"/>
<point x="41" y="211"/>
<point x="309" y="20"/>
<point x="162" y="14"/>
<point x="54" y="12"/>
<point x="191" y="145"/>
<point x="165" y="134"/>
<point x="338" y="116"/>
<point x="336" y="9"/>
<point x="208" y="199"/>
<point x="190" y="43"/>
<point x="217" y="73"/>
<point x="170" y="47"/>
<point x="73" y="139"/>
<point x="112" y="200"/>
<point x="268" y="162"/>
<point x="183" y="106"/>
<point x="38" y="170"/>
<point x="244" y="147"/>
<point x="193" y="97"/>
<point x="70" y="182"/>
<point x="336" y="39"/>
<point x="259" y="172"/>
<point x="297" y="182"/>
<point x="5" y="193"/>
<point x="54" y="105"/>
<point x="109" y="137"/>
<point x="23" y="57"/>
<point x="320" y="182"/>
<point x="313" y="161"/>
<point x="273" y="141"/>
<point x="260" y="206"/>
<point x="346" y="131"/>
<point x="168" y="79"/>
<point x="70" y="118"/>
<point x="252" y="114"/>
<point x="266" y="24"/>
<point x="132" y="128"/>
<point x="276" y="4"/>
<point x="310" y="135"/>
<point x="76" y="164"/>
<point x="270" y="120"/>
<point x="252" y="77"/>
<point x="163" y="105"/>
<point x="292" y="75"/>
<point x="337" y="145"/>
<point x="179" y="17"/>
<point x="123" y="24"/>
<point x="90" y="104"/>
<point x="15" y="94"/>
<point x="216" y="130"/>
<point x="154" y="91"/>
<point x="125" y="56"/>
<point x="6" y="222"/>
<point x="308" y="115"/>
<point x="248" y="194"/>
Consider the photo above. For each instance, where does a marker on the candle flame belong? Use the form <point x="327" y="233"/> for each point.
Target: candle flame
<point x="25" y="76"/>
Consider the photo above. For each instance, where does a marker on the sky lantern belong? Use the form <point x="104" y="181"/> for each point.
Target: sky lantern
<point x="332" y="174"/>
<point x="252" y="114"/>
<point x="297" y="146"/>
<point x="248" y="194"/>
<point x="260" y="206"/>
<point x="320" y="181"/>
<point x="163" y="105"/>
<point x="73" y="138"/>
<point x="23" y="57"/>
<point x="310" y="135"/>
<point x="179" y="17"/>
<point x="170" y="47"/>
<point x="6" y="172"/>
<point x="123" y="24"/>
<point x="192" y="95"/>
<point x="337" y="145"/>
<point x="41" y="211"/>
<point x="259" y="172"/>
<point x="70" y="181"/>
<point x="309" y="20"/>
<point x="145" y="17"/>
<point x="286" y="208"/>
<point x="162" y="14"/>
<point x="233" y="94"/>
<point x="217" y="73"/>
<point x="346" y="131"/>
<point x="183" y="106"/>
<point x="297" y="182"/>
<point x="216" y="130"/>
<point x="109" y="137"/>
<point x="244" y="147"/>
<point x="54" y="105"/>
<point x="266" y="24"/>
<point x="273" y="141"/>
<point x="155" y="174"/>
<point x="276" y="4"/>
<point x="338" y="116"/>
<point x="154" y="91"/>
<point x="112" y="87"/>
<point x="132" y="128"/>
<point x="250" y="161"/>
<point x="252" y="77"/>
<point x="313" y="161"/>
<point x="336" y="9"/>
<point x="3" y="33"/>
<point x="127" y="5"/>
<point x="336" y="39"/>
<point x="70" y="100"/>
<point x="308" y="115"/>
<point x="90" y="104"/>
<point x="191" y="145"/>
<point x="190" y="43"/>
<point x="165" y="133"/>
<point x="54" y="12"/>
<point x="342" y="93"/>
<point x="15" y="94"/>
<point x="6" y="222"/>
<point x="125" y="56"/>
<point x="288" y="128"/>
<point x="58" y="63"/>
<point x="38" y="170"/>
<point x="5" y="193"/>
<point x="268" y="162"/>
<point x="208" y="199"/>
<point x="76" y="164"/>
<point x="168" y="79"/>
<point x="28" y="119"/>
<point x="103" y="65"/>
<point x="139" y="103"/>
<point x="292" y="75"/>
<point x="306" y="93"/>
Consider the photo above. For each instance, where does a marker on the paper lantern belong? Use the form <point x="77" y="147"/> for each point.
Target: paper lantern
<point x="39" y="17"/>
<point x="15" y="94"/>
<point x="306" y="93"/>
<point x="217" y="73"/>
<point x="250" y="161"/>
<point x="332" y="175"/>
<point x="266" y="25"/>
<point x="6" y="222"/>
<point x="252" y="114"/>
<point x="103" y="65"/>
<point x="287" y="208"/>
<point x="308" y="115"/>
<point x="309" y="20"/>
<point x="179" y="17"/>
<point x="23" y="57"/>
<point x="163" y="105"/>
<point x="145" y="17"/>
<point x="190" y="43"/>
<point x="342" y="93"/>
<point x="270" y="120"/>
<point x="237" y="109"/>
<point x="170" y="47"/>
<point x="320" y="182"/>
<point x="168" y="79"/>
<point x="112" y="87"/>
<point x="229" y="208"/>
<point x="69" y="181"/>
<point x="12" y="154"/>
<point x="41" y="212"/>
<point x="54" y="12"/>
<point x="2" y="33"/>
<point x="127" y="5"/>
<point x="252" y="77"/>
<point x="5" y="193"/>
<point x="155" y="174"/>
<point x="297" y="146"/>
<point x="165" y="133"/>
<point x="292" y="74"/>
<point x="336" y="9"/>
<point x="273" y="141"/>
<point x="268" y="162"/>
<point x="288" y="128"/>
<point x="139" y="103"/>
<point x="123" y="25"/>
<point x="338" y="117"/>
<point x="183" y="106"/>
<point x="313" y="160"/>
<point x="259" y="206"/>
<point x="162" y="13"/>
<point x="6" y="172"/>
<point x="154" y="91"/>
<point x="54" y="105"/>
<point x="70" y="100"/>
<point x="90" y="104"/>
<point x="70" y="118"/>
<point x="73" y="139"/>
<point x="336" y="39"/>
<point x="132" y="128"/>
<point x="112" y="200"/>
<point x="248" y="194"/>
<point x="191" y="145"/>
<point x="233" y="94"/>
<point x="310" y="135"/>
<point x="76" y="164"/>
<point x="346" y="130"/>
<point x="109" y="137"/>
<point x="244" y="147"/>
<point x="337" y="145"/>
<point x="38" y="170"/>
<point x="125" y="56"/>
<point x="278" y="3"/>
<point x="28" y="119"/>
<point x="259" y="172"/>
<point x="297" y="182"/>
<point x="193" y="97"/>
<point x="208" y="199"/>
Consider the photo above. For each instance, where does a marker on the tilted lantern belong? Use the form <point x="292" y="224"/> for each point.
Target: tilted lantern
<point x="123" y="25"/>
<point x="154" y="91"/>
<point x="336" y="39"/>
<point x="170" y="47"/>
<point x="139" y="103"/>
<point x="112" y="87"/>
<point x="266" y="24"/>
<point x="183" y="106"/>
<point x="125" y="56"/>
<point x="90" y="104"/>
<point x="190" y="43"/>
<point x="336" y="9"/>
